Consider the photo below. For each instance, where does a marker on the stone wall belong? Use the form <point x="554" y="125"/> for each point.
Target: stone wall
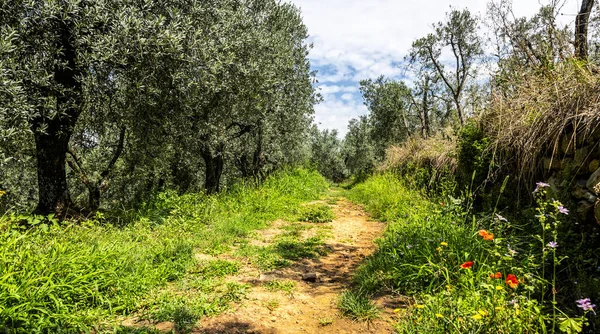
<point x="576" y="169"/>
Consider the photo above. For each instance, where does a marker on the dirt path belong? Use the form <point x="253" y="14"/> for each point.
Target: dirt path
<point x="311" y="306"/>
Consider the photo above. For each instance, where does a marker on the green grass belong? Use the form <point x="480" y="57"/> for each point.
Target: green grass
<point x="420" y="256"/>
<point x="357" y="306"/>
<point x="316" y="213"/>
<point x="70" y="277"/>
<point x="286" y="286"/>
<point x="287" y="247"/>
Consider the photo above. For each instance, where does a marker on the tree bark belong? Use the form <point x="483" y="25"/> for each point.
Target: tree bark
<point x="51" y="152"/>
<point x="426" y="125"/>
<point x="581" y="29"/>
<point x="52" y="135"/>
<point x="213" y="163"/>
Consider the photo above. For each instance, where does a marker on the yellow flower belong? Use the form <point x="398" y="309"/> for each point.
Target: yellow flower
<point x="477" y="317"/>
<point x="2" y="193"/>
<point x="499" y="287"/>
<point x="419" y="318"/>
<point x="449" y="287"/>
<point x="439" y="316"/>
<point x="444" y="243"/>
<point x="438" y="249"/>
<point x="483" y="313"/>
<point x="397" y="310"/>
<point x="419" y="306"/>
<point x="498" y="308"/>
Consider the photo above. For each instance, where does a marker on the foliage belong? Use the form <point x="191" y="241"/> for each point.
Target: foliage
<point x="137" y="98"/>
<point x="326" y="154"/>
<point x="69" y="277"/>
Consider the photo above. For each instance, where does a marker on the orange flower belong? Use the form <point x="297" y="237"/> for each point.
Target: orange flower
<point x="486" y="235"/>
<point x="512" y="281"/>
<point x="497" y="275"/>
<point x="467" y="265"/>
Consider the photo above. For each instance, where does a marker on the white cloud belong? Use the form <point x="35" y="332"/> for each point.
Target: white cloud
<point x="360" y="39"/>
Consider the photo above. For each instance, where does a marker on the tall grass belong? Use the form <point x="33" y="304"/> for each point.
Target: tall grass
<point x="68" y="277"/>
<point x="461" y="274"/>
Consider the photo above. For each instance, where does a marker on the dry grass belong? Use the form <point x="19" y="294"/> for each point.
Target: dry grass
<point x="437" y="153"/>
<point x="541" y="112"/>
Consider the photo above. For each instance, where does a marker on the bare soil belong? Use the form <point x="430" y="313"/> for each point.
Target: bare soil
<point x="311" y="308"/>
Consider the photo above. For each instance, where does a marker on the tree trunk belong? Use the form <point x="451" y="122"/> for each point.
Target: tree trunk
<point x="94" y="197"/>
<point x="52" y="135"/>
<point x="459" y="111"/>
<point x="51" y="152"/>
<point x="581" y="29"/>
<point x="213" y="170"/>
<point x="426" y="108"/>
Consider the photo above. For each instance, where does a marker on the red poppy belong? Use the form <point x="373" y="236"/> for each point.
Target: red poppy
<point x="497" y="275"/>
<point x="486" y="235"/>
<point x="467" y="265"/>
<point x="512" y="281"/>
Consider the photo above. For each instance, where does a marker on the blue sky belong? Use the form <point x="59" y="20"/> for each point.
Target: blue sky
<point x="361" y="39"/>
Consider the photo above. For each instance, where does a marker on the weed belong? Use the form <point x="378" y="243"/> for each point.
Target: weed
<point x="272" y="304"/>
<point x="325" y="322"/>
<point x="219" y="268"/>
<point x="316" y="213"/>
<point x="286" y="286"/>
<point x="357" y="306"/>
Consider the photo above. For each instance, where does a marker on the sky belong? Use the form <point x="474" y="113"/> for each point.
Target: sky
<point x="362" y="39"/>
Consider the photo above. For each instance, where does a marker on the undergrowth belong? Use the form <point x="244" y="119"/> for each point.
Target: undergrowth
<point x="471" y="274"/>
<point x="71" y="277"/>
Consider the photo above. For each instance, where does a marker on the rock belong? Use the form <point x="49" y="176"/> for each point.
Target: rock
<point x="584" y="208"/>
<point x="597" y="212"/>
<point x="311" y="277"/>
<point x="594" y="165"/>
<point x="583" y="193"/>
<point x="593" y="183"/>
<point x="268" y="277"/>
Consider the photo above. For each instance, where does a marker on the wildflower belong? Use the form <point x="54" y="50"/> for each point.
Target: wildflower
<point x="397" y="310"/>
<point x="2" y="193"/>
<point x="438" y="249"/>
<point x="419" y="306"/>
<point x="500" y="218"/>
<point x="486" y="235"/>
<point x="563" y="210"/>
<point x="498" y="308"/>
<point x="443" y="243"/>
<point x="511" y="251"/>
<point x="467" y="265"/>
<point x="499" y="287"/>
<point x="540" y="186"/>
<point x="585" y="304"/>
<point x="511" y="280"/>
<point x="513" y="302"/>
<point x="552" y="244"/>
<point x="439" y="316"/>
<point x="483" y="313"/>
<point x="477" y="317"/>
<point x="409" y="246"/>
<point x="497" y="275"/>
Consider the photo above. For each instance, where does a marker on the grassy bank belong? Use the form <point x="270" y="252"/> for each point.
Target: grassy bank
<point x="462" y="274"/>
<point x="70" y="277"/>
